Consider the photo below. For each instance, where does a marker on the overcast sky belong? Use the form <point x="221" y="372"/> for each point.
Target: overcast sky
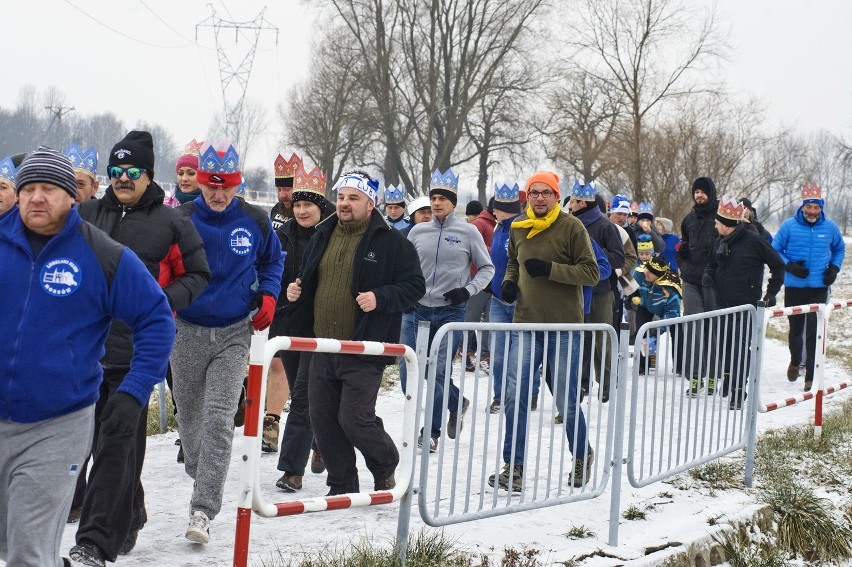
<point x="138" y="59"/>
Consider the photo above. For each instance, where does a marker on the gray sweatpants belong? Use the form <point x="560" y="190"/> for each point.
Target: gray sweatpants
<point x="208" y="367"/>
<point x="39" y="464"/>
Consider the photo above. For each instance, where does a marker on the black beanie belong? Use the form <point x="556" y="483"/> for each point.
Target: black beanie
<point x="657" y="265"/>
<point x="473" y="208"/>
<point x="452" y="196"/>
<point x="707" y="186"/>
<point x="46" y="165"/>
<point x="137" y="148"/>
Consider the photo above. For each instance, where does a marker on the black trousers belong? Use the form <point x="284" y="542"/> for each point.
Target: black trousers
<point x="803" y="328"/>
<point x="342" y="394"/>
<point x="736" y="356"/>
<point x="115" y="501"/>
<point x="298" y="436"/>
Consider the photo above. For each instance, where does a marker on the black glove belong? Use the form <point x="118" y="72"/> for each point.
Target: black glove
<point x="769" y="299"/>
<point x="538" y="268"/>
<point x="509" y="291"/>
<point x="457" y="296"/>
<point x="120" y="415"/>
<point x="798" y="269"/>
<point x="830" y="274"/>
<point x="707" y="280"/>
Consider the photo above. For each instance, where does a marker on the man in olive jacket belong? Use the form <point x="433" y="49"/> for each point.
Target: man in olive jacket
<point x="357" y="278"/>
<point x="550" y="260"/>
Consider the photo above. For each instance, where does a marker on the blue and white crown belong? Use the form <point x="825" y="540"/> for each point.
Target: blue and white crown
<point x="447" y="180"/>
<point x="86" y="161"/>
<point x="646" y="207"/>
<point x="210" y="161"/>
<point x="585" y="192"/>
<point x="394" y="195"/>
<point x="8" y="171"/>
<point x="506" y="193"/>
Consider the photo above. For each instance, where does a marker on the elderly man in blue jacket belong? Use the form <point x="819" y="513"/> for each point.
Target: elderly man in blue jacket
<point x="64" y="282"/>
<point x="812" y="248"/>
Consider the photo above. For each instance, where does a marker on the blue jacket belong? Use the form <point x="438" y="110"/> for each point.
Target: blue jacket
<point x="818" y="244"/>
<point x="500" y="255"/>
<point x="670" y="252"/>
<point x="241" y="248"/>
<point x="605" y="269"/>
<point x="662" y="298"/>
<point x="56" y="314"/>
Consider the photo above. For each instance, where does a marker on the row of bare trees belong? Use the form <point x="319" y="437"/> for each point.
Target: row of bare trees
<point x="620" y="92"/>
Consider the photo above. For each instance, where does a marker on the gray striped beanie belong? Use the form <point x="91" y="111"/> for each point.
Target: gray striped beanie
<point x="46" y="165"/>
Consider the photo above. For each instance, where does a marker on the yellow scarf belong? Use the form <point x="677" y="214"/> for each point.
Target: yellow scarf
<point x="537" y="224"/>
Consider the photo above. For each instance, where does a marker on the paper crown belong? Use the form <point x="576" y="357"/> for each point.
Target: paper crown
<point x="585" y="192"/>
<point x="285" y="168"/>
<point x="657" y="265"/>
<point x="86" y="161"/>
<point x="313" y="180"/>
<point x="8" y="171"/>
<point x="644" y="243"/>
<point x="192" y="148"/>
<point x="506" y="193"/>
<point x="212" y="160"/>
<point x="731" y="209"/>
<point x="394" y="195"/>
<point x="447" y="180"/>
<point x="646" y="207"/>
<point x="811" y="191"/>
<point x="620" y="204"/>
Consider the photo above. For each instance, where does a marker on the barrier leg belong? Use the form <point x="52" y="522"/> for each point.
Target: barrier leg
<point x="819" y="367"/>
<point x="618" y="445"/>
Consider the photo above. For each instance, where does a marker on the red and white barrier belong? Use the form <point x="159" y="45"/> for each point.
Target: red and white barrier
<point x="250" y="497"/>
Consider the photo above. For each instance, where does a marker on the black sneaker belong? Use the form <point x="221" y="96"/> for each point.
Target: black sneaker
<point x="738" y="396"/>
<point x="387" y="484"/>
<point x="433" y="443"/>
<point x="129" y="542"/>
<point x="74" y="514"/>
<point x="88" y="554"/>
<point x="454" y="423"/>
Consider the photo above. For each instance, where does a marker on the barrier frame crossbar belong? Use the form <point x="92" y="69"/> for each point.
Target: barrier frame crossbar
<point x="250" y="496"/>
<point x="601" y="483"/>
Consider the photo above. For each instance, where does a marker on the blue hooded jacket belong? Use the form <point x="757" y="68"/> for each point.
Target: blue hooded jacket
<point x="819" y="245"/>
<point x="500" y="255"/>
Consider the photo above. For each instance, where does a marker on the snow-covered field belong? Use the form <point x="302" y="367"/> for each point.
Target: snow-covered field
<point x="680" y="513"/>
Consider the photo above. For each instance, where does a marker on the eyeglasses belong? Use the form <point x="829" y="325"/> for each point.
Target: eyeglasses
<point x="133" y="173"/>
<point x="547" y="194"/>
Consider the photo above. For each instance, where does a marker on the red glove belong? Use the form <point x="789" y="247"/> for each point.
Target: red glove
<point x="265" y="305"/>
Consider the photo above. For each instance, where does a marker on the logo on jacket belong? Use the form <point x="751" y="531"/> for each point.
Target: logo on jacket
<point x="371" y="256"/>
<point x="60" y="277"/>
<point x="453" y="239"/>
<point x="240" y="241"/>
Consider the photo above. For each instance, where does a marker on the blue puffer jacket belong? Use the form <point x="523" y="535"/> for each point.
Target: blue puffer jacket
<point x="241" y="248"/>
<point x="818" y="244"/>
<point x="57" y="310"/>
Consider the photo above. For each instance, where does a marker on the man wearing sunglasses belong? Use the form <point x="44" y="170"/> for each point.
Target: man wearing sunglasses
<point x="132" y="213"/>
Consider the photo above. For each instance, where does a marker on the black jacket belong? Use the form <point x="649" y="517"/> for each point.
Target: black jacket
<point x="167" y="243"/>
<point x="294" y="241"/>
<point x="606" y="235"/>
<point x="698" y="233"/>
<point x="736" y="268"/>
<point x="385" y="263"/>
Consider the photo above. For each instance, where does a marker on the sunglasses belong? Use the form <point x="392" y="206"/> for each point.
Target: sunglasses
<point x="133" y="173"/>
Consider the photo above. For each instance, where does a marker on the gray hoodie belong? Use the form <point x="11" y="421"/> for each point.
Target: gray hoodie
<point x="447" y="251"/>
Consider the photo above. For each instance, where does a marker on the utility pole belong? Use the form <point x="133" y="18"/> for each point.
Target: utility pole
<point x="234" y="71"/>
<point x="57" y="112"/>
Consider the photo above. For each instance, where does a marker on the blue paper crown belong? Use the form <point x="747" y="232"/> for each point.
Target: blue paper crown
<point x="394" y="195"/>
<point x="506" y="194"/>
<point x="8" y="171"/>
<point x="447" y="180"/>
<point x="646" y="207"/>
<point x="85" y="160"/>
<point x="583" y="192"/>
<point x="211" y="162"/>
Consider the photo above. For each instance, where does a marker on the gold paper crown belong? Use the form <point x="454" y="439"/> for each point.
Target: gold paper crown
<point x="811" y="191"/>
<point x="731" y="209"/>
<point x="285" y="168"/>
<point x="304" y="180"/>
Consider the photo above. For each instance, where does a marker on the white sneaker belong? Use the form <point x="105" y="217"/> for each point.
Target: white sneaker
<point x="199" y="528"/>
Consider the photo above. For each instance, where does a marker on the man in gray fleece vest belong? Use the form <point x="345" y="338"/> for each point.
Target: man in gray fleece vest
<point x="447" y="248"/>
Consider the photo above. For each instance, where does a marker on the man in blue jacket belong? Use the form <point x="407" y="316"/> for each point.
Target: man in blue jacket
<point x="812" y="248"/>
<point x="64" y="282"/>
<point x="210" y="356"/>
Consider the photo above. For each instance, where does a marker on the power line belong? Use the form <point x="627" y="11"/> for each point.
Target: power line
<point x="112" y="29"/>
<point x="176" y="32"/>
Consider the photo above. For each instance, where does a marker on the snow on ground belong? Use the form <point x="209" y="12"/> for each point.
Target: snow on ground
<point x="680" y="515"/>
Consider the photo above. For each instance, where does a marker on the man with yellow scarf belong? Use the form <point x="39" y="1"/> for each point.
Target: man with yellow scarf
<point x="550" y="260"/>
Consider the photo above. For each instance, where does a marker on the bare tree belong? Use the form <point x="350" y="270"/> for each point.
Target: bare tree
<point x="165" y="150"/>
<point x="251" y="124"/>
<point x="645" y="49"/>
